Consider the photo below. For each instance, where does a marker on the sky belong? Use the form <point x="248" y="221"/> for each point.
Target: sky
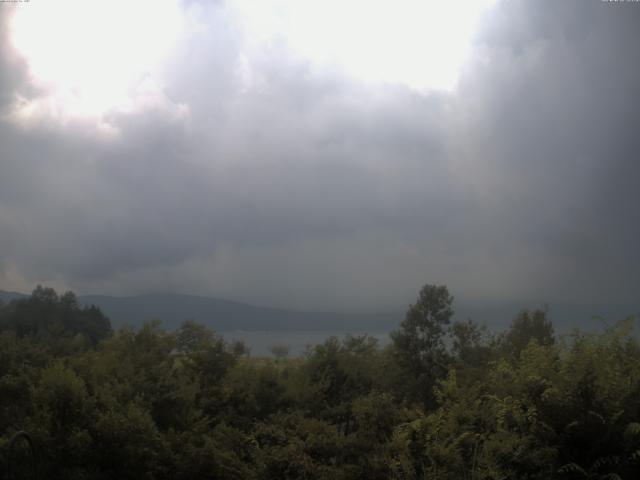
<point x="322" y="155"/>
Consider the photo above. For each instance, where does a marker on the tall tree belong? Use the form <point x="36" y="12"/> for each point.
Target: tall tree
<point x="526" y="327"/>
<point x="419" y="345"/>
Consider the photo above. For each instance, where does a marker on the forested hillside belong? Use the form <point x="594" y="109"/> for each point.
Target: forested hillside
<point x="173" y="309"/>
<point x="445" y="400"/>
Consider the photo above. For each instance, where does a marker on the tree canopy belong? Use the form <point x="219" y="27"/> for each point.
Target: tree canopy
<point x="442" y="401"/>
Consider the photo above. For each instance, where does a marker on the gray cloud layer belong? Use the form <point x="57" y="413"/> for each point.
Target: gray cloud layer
<point x="303" y="188"/>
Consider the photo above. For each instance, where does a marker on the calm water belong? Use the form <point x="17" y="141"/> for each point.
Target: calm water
<point x="297" y="341"/>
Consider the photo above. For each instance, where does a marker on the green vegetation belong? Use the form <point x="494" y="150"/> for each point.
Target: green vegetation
<point x="443" y="401"/>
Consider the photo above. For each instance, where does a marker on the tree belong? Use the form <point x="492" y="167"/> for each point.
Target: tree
<point x="418" y="345"/>
<point x="193" y="336"/>
<point x="47" y="315"/>
<point x="526" y="327"/>
<point x="470" y="343"/>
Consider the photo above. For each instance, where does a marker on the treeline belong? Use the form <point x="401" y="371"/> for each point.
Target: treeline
<point x="443" y="401"/>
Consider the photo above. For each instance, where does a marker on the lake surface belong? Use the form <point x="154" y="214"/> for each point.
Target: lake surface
<point x="261" y="341"/>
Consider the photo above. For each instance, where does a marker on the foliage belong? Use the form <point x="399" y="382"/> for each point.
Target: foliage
<point x="58" y="319"/>
<point x="528" y="326"/>
<point x="441" y="402"/>
<point x="419" y="344"/>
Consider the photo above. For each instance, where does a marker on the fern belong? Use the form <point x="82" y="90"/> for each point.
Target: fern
<point x="632" y="431"/>
<point x="573" y="468"/>
<point x="611" y="476"/>
<point x="608" y="460"/>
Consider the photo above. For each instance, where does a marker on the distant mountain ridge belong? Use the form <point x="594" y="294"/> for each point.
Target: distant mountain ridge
<point x="6" y="297"/>
<point x="225" y="315"/>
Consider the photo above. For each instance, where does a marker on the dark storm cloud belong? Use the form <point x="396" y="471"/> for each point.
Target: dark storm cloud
<point x="555" y="100"/>
<point x="260" y="178"/>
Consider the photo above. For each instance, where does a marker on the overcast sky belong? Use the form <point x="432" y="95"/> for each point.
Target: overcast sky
<point x="244" y="160"/>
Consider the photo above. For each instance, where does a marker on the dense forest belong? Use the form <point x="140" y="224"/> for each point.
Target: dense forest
<point x="445" y="400"/>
